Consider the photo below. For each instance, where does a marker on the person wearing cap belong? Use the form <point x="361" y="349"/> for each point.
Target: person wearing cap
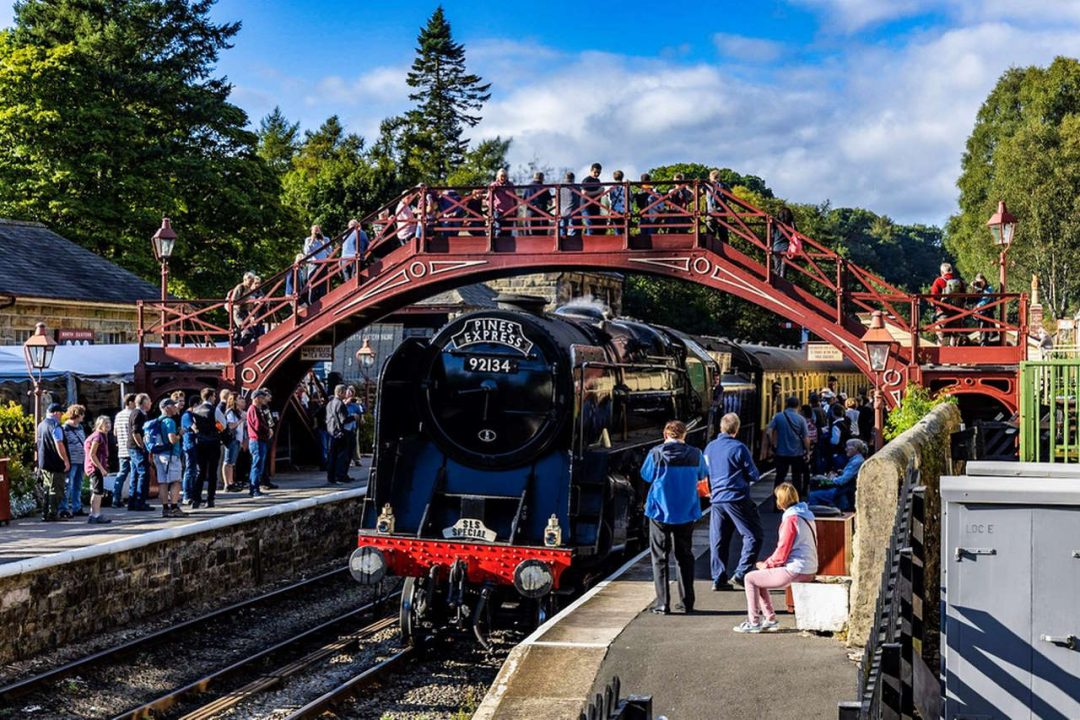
<point x="258" y="432"/>
<point x="52" y="460"/>
<point x="169" y="464"/>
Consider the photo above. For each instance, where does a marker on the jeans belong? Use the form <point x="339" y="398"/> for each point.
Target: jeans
<point x="191" y="469"/>
<point x="337" y="464"/>
<point x="664" y="540"/>
<point x="71" y="500"/>
<point x="140" y="477"/>
<point x="324" y="443"/>
<point x="724" y="519"/>
<point x="121" y="477"/>
<point x="259" y="450"/>
<point x="757" y="585"/>
<point x="207" y="454"/>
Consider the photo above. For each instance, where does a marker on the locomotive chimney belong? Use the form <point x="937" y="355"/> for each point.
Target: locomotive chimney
<point x="532" y="304"/>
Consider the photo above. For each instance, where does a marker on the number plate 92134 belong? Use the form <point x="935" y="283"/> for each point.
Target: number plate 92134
<point x="486" y="364"/>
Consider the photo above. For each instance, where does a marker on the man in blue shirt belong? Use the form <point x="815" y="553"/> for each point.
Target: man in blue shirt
<point x="731" y="472"/>
<point x="790" y="439"/>
<point x="673" y="469"/>
<point x="354" y="244"/>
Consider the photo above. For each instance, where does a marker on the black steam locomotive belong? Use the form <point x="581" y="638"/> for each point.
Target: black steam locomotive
<point x="507" y="455"/>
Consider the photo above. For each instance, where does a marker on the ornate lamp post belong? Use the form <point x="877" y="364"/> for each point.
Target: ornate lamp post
<point x="366" y="357"/>
<point x="1002" y="226"/>
<point x="879" y="344"/>
<point x="38" y="354"/>
<point x="163" y="242"/>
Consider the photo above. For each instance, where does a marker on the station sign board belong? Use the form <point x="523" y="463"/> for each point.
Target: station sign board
<point x="71" y="336"/>
<point x="822" y="352"/>
<point x="317" y="353"/>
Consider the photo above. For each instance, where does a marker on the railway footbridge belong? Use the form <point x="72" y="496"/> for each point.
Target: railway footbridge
<point x="431" y="239"/>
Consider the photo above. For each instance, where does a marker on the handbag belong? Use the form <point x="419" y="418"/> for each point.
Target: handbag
<point x="795" y="247"/>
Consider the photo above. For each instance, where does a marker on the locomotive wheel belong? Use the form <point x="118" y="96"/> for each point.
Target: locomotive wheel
<point x="414" y="608"/>
<point x="545" y="609"/>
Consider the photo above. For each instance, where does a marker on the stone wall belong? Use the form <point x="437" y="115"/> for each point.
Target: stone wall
<point x="926" y="447"/>
<point x="561" y="287"/>
<point x="110" y="323"/>
<point x="58" y="599"/>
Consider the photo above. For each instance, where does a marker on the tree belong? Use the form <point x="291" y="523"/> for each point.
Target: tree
<point x="279" y="141"/>
<point x="479" y="165"/>
<point x="1025" y="149"/>
<point x="447" y="97"/>
<point x="110" y="117"/>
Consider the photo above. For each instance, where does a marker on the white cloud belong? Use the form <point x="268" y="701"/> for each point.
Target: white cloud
<point x="381" y="85"/>
<point x="747" y="49"/>
<point x="883" y="128"/>
<point x="853" y="15"/>
<point x="7" y="13"/>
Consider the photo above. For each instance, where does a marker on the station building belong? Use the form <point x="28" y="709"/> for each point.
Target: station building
<point x="82" y="297"/>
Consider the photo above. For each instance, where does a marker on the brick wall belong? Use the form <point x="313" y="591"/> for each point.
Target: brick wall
<point x="94" y="589"/>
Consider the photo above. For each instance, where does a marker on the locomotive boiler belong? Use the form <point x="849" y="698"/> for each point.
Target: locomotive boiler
<point x="507" y="452"/>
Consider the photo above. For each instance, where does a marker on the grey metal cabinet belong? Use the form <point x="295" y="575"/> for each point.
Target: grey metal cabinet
<point x="1011" y="583"/>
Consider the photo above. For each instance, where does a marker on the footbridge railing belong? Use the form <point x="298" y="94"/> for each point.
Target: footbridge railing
<point x="599" y="222"/>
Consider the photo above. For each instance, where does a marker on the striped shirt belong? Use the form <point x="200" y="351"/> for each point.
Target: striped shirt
<point x="122" y="429"/>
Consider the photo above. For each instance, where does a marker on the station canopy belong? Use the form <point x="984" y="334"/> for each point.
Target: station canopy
<point x="101" y="363"/>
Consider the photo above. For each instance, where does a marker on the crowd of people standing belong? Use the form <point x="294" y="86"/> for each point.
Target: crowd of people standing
<point x="191" y="449"/>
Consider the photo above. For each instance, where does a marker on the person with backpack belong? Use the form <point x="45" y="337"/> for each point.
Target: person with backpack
<point x="839" y="434"/>
<point x="790" y="439"/>
<point x="162" y="437"/>
<point x="52" y="460"/>
<point x="207" y="448"/>
<point x="948" y="283"/>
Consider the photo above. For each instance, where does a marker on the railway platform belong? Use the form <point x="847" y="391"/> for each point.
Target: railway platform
<point x="694" y="666"/>
<point x="27" y="538"/>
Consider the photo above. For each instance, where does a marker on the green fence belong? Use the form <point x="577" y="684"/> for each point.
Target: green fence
<point x="1049" y="390"/>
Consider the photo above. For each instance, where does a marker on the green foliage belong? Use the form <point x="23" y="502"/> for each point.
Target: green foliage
<point x="904" y="255"/>
<point x="16" y="433"/>
<point x="448" y="99"/>
<point x="110" y="118"/>
<point x="479" y="165"/>
<point x="697" y="309"/>
<point x="916" y="405"/>
<point x="1025" y="149"/>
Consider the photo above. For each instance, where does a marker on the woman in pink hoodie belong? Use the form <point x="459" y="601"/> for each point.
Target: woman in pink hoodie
<point x="794" y="560"/>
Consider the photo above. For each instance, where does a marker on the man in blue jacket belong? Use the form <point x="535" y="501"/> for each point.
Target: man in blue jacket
<point x="731" y="472"/>
<point x="673" y="469"/>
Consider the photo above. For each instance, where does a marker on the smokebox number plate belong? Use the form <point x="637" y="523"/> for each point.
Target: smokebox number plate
<point x="469" y="529"/>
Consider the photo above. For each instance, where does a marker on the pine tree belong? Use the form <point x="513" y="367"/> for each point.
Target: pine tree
<point x="278" y="140"/>
<point x="447" y="98"/>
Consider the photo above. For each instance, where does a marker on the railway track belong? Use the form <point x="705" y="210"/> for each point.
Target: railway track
<point x="216" y="681"/>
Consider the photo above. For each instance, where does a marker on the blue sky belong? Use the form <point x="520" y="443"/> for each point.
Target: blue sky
<point x="860" y="102"/>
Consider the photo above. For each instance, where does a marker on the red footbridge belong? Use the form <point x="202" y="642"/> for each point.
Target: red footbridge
<point x="433" y="239"/>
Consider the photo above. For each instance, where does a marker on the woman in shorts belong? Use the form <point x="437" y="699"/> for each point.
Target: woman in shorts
<point x="95" y="464"/>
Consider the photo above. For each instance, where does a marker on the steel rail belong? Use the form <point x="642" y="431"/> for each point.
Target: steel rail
<point x="266" y="681"/>
<point x="27" y="685"/>
<point x="316" y="707"/>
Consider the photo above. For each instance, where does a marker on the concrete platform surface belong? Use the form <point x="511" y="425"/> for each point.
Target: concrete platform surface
<point x="695" y="666"/>
<point x="30" y="537"/>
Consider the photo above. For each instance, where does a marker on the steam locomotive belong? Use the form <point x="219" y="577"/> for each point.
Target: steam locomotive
<point x="507" y="455"/>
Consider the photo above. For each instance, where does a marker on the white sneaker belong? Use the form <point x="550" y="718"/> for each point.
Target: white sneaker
<point x="770" y="625"/>
<point x="747" y="627"/>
